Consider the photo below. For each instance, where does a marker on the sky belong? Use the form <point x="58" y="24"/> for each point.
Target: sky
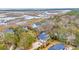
<point x="39" y="3"/>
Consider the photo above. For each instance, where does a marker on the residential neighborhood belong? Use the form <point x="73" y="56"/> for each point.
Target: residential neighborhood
<point x="39" y="29"/>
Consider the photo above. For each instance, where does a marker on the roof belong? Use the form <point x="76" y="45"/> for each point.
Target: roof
<point x="57" y="47"/>
<point x="25" y="27"/>
<point x="8" y="30"/>
<point x="35" y="25"/>
<point x="43" y="36"/>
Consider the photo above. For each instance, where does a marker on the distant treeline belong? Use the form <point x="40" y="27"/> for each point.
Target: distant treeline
<point x="38" y="9"/>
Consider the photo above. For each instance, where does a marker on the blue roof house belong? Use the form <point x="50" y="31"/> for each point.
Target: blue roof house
<point x="43" y="37"/>
<point x="57" y="47"/>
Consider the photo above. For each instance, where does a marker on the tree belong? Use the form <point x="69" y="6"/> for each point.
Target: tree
<point x="27" y="40"/>
<point x="10" y="39"/>
<point x="76" y="41"/>
<point x="62" y="38"/>
<point x="20" y="38"/>
<point x="73" y="12"/>
<point x="14" y="37"/>
<point x="2" y="46"/>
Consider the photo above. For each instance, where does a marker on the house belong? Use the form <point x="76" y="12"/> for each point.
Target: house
<point x="41" y="26"/>
<point x="36" y="25"/>
<point x="71" y="38"/>
<point x="43" y="37"/>
<point x="8" y="31"/>
<point x="25" y="27"/>
<point x="2" y="22"/>
<point x="57" y="47"/>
